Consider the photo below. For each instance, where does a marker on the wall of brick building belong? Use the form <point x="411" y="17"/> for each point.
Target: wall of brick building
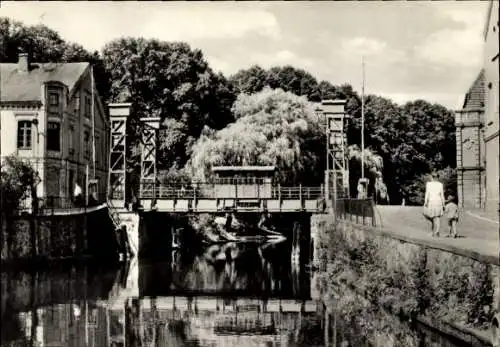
<point x="492" y="105"/>
<point x="492" y="174"/>
<point x="470" y="159"/>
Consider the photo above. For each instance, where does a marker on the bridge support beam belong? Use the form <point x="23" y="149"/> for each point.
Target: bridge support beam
<point x="337" y="165"/>
<point x="148" y="157"/>
<point x="118" y="114"/>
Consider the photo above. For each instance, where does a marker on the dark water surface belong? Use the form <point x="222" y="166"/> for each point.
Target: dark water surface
<point x="222" y="295"/>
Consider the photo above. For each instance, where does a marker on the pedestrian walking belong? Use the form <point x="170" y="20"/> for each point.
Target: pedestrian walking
<point x="451" y="213"/>
<point x="434" y="203"/>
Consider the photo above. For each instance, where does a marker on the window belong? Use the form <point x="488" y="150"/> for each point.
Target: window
<point x="71" y="139"/>
<point x="54" y="136"/>
<point x="98" y="149"/>
<point x="87" y="107"/>
<point x="77" y="104"/>
<point x="24" y="134"/>
<point x="86" y="144"/>
<point x="54" y="99"/>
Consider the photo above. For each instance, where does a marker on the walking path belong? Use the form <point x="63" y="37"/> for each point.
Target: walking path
<point x="479" y="231"/>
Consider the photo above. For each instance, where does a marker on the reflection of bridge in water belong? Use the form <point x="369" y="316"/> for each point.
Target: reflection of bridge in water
<point x="193" y="305"/>
<point x="216" y="321"/>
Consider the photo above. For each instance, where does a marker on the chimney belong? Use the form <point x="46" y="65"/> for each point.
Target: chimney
<point x="23" y="62"/>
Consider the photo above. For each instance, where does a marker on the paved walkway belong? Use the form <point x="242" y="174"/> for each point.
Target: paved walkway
<point x="479" y="232"/>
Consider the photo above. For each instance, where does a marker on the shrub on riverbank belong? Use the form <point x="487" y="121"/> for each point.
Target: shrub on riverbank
<point x="406" y="279"/>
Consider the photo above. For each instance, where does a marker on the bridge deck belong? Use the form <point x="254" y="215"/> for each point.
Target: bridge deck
<point x="243" y="198"/>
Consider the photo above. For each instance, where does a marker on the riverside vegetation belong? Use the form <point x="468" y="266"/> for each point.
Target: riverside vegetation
<point x="403" y="279"/>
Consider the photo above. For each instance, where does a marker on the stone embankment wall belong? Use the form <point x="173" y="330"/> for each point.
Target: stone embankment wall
<point x="58" y="237"/>
<point x="454" y="294"/>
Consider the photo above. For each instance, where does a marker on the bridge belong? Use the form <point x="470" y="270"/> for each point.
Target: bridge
<point x="260" y="195"/>
<point x="193" y="305"/>
<point x="242" y="198"/>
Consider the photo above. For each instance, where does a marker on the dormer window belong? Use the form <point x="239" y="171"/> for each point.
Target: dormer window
<point x="53" y="99"/>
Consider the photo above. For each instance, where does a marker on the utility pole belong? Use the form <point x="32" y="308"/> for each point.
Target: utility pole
<point x="363" y="120"/>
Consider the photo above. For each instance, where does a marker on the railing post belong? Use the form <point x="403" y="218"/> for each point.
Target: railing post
<point x="374" y="222"/>
<point x="300" y="196"/>
<point x="363" y="211"/>
<point x="194" y="197"/>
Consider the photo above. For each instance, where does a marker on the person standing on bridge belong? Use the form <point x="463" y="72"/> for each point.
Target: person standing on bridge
<point x="434" y="202"/>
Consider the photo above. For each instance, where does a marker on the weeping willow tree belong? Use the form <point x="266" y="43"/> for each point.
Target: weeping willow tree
<point x="272" y="127"/>
<point x="374" y="166"/>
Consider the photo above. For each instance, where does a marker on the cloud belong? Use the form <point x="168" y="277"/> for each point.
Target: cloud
<point x="452" y="47"/>
<point x="278" y="58"/>
<point x="412" y="49"/>
<point x="450" y="100"/>
<point x="461" y="46"/>
<point x="362" y="46"/>
<point x="91" y="24"/>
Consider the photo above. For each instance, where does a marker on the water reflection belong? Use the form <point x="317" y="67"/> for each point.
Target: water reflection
<point x="224" y="295"/>
<point x="236" y="269"/>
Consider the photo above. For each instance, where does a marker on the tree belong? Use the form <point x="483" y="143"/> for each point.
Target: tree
<point x="324" y="91"/>
<point x="18" y="181"/>
<point x="374" y="167"/>
<point x="414" y="191"/>
<point x="279" y="129"/>
<point x="288" y="78"/>
<point x="45" y="45"/>
<point x="412" y="139"/>
<point x="171" y="81"/>
<point x="249" y="81"/>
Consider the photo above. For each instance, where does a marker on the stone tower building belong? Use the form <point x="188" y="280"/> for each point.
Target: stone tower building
<point x="469" y="123"/>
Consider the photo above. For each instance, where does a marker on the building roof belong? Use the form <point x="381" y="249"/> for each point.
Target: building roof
<point x="474" y="99"/>
<point x="243" y="168"/>
<point x="16" y="86"/>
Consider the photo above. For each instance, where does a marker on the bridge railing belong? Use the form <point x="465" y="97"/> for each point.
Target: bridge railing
<point x="50" y="204"/>
<point x="230" y="191"/>
<point x="360" y="211"/>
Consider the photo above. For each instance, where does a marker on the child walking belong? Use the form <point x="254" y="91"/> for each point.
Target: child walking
<point x="451" y="213"/>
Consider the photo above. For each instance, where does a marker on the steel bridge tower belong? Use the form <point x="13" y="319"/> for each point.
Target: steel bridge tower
<point x="337" y="164"/>
<point x="117" y="157"/>
<point x="148" y="156"/>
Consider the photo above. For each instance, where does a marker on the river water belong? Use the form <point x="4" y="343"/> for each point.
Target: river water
<point x="222" y="295"/>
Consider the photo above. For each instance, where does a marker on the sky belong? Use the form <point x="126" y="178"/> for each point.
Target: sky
<point x="412" y="50"/>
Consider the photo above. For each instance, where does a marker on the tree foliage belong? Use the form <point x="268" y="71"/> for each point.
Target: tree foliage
<point x="413" y="140"/>
<point x="273" y="127"/>
<point x="171" y="81"/>
<point x="374" y="171"/>
<point x="288" y="78"/>
<point x="17" y="180"/>
<point x="45" y="45"/>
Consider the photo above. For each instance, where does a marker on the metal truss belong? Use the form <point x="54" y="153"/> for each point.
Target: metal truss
<point x="118" y="148"/>
<point x="337" y="171"/>
<point x="148" y="155"/>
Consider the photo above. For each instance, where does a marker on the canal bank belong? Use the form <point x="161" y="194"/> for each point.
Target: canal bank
<point x="53" y="237"/>
<point x="453" y="293"/>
